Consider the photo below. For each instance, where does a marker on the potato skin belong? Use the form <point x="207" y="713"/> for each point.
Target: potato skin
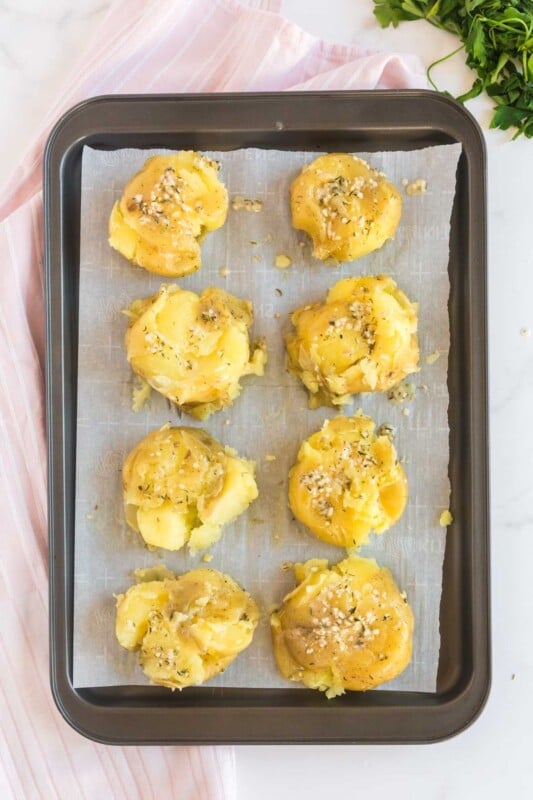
<point x="165" y="210"/>
<point x="193" y="348"/>
<point x="343" y="628"/>
<point x="362" y="338"/>
<point x="188" y="628"/>
<point x="180" y="486"/>
<point x="347" y="482"/>
<point x="346" y="207"/>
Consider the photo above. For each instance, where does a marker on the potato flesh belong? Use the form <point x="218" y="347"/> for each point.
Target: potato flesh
<point x="187" y="628"/>
<point x="239" y="486"/>
<point x="347" y="208"/>
<point x="164" y="526"/>
<point x="347" y="482"/>
<point x="164" y="211"/>
<point x="193" y="348"/>
<point x="135" y="608"/>
<point x="343" y="628"/>
<point x="181" y="486"/>
<point x="363" y="338"/>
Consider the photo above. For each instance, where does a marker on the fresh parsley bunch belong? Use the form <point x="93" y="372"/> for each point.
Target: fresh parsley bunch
<point x="497" y="36"/>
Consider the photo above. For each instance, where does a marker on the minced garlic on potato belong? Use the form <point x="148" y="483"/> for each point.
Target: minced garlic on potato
<point x="343" y="628"/>
<point x="193" y="348"/>
<point x="165" y="211"/>
<point x="347" y="482"/>
<point x="346" y="207"/>
<point x="187" y="628"/>
<point x="180" y="486"/>
<point x="363" y="338"/>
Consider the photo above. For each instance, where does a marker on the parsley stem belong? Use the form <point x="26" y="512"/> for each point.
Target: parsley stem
<point x="504" y="26"/>
<point x="440" y="61"/>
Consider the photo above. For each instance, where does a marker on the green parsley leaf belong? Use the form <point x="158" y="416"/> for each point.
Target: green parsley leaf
<point x="497" y="36"/>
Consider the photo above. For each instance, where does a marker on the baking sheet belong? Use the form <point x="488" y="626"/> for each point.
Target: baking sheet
<point x="270" y="417"/>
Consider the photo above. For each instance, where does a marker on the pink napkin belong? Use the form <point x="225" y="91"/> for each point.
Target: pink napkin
<point x="142" y="46"/>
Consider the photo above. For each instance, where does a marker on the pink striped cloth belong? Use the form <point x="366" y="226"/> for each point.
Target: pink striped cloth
<point x="141" y="46"/>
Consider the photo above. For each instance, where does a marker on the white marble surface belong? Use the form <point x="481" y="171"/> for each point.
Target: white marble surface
<point x="38" y="41"/>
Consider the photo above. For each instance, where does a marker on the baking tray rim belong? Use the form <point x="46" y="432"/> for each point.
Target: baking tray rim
<point x="454" y="710"/>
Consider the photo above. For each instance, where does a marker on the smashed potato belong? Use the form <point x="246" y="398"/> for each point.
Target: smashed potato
<point x="363" y="338"/>
<point x="347" y="482"/>
<point x="181" y="486"/>
<point x="193" y="348"/>
<point x="343" y="628"/>
<point x="188" y="628"/>
<point x="346" y="207"/>
<point x="165" y="211"/>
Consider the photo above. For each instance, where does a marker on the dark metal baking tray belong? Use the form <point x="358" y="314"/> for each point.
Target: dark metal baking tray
<point x="349" y="121"/>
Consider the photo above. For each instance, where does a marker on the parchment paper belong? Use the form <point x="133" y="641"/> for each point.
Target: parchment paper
<point x="270" y="417"/>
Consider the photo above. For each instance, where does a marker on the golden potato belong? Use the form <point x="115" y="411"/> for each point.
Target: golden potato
<point x="165" y="211"/>
<point x="188" y="628"/>
<point x="346" y="627"/>
<point x="347" y="482"/>
<point x="193" y="348"/>
<point x="346" y="207"/>
<point x="363" y="338"/>
<point x="181" y="486"/>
